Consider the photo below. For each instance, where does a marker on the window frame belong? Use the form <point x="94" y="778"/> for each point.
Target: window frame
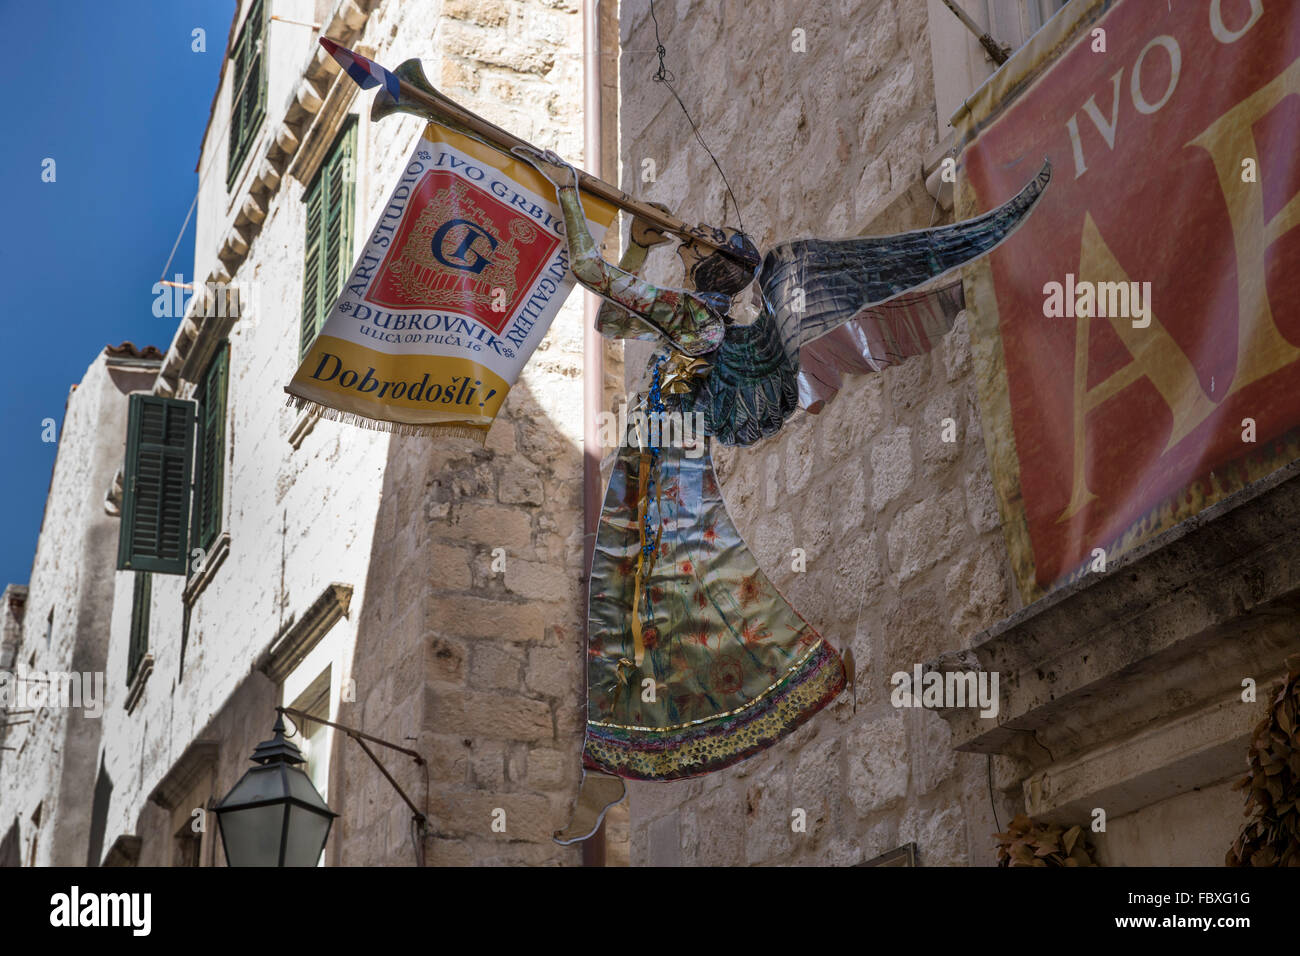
<point x="961" y="65"/>
<point x="317" y="738"/>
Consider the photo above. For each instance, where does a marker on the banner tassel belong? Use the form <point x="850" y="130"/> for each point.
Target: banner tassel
<point x="430" y="430"/>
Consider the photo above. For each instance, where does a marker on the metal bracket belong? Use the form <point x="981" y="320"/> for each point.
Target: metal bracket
<point x="361" y="737"/>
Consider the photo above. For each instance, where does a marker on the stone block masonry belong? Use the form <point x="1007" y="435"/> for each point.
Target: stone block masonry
<point x="905" y="558"/>
<point x="491" y="537"/>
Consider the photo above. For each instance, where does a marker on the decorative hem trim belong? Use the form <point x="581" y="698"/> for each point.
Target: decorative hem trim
<point x="703" y="747"/>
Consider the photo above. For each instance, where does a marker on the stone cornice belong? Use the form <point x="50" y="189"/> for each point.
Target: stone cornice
<point x="1163" y="638"/>
<point x="215" y="558"/>
<point x="125" y="851"/>
<point x="142" y="672"/>
<point x="298" y="637"/>
<point x="199" y="757"/>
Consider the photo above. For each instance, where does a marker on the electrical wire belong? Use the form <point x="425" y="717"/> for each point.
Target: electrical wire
<point x="204" y="172"/>
<point x="665" y="76"/>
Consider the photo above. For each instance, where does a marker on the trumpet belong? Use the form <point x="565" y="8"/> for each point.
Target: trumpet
<point x="418" y="97"/>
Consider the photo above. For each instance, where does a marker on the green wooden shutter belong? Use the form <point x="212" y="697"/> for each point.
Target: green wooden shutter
<point x="210" y="458"/>
<point x="140" y="604"/>
<point x="248" y="70"/>
<point x="338" y="216"/>
<point x="255" y="89"/>
<point x="330" y="214"/>
<point x="156" y="485"/>
<point x="311" y="269"/>
<point x="238" y="70"/>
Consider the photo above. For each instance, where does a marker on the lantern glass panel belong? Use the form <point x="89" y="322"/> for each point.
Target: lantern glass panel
<point x="307" y="833"/>
<point x="252" y="836"/>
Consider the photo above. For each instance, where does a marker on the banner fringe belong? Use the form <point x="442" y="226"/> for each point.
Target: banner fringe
<point x="428" y="430"/>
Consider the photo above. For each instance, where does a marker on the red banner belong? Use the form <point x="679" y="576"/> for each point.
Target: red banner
<point x="1138" y="339"/>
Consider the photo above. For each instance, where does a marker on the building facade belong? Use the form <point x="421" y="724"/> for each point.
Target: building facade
<point x="428" y="595"/>
<point x="433" y="594"/>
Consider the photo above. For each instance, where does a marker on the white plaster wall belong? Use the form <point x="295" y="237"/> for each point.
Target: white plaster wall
<point x="71" y="573"/>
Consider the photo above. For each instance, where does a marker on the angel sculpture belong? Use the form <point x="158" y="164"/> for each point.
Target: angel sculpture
<point x="676" y="597"/>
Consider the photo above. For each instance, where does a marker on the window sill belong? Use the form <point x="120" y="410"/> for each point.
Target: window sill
<point x="195" y="585"/>
<point x="136" y="690"/>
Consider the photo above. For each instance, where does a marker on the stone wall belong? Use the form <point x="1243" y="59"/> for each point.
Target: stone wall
<point x="481" y="666"/>
<point x="905" y="558"/>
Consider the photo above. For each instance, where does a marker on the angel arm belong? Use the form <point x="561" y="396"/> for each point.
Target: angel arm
<point x="685" y="321"/>
<point x="616" y="322"/>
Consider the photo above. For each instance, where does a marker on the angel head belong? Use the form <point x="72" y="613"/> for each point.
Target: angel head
<point x="712" y="271"/>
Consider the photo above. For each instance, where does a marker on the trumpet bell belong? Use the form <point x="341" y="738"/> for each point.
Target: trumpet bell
<point x="409" y="71"/>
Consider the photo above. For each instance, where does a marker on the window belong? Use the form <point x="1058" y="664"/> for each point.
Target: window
<point x="316" y="738"/>
<point x="1012" y="22"/>
<point x="210" y="449"/>
<point x="156" y="485"/>
<point x="248" y="88"/>
<point x="328" y="244"/>
<point x="313" y="739"/>
<point x="141" y="600"/>
<point x="186" y="791"/>
<point x="1040" y="11"/>
<point x="961" y="64"/>
<point x="307" y="661"/>
<point x="169" y="445"/>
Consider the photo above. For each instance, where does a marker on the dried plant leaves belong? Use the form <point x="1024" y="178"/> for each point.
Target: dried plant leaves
<point x="1031" y="843"/>
<point x="1272" y="837"/>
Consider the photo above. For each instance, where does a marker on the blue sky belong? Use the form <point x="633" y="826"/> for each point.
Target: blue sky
<point x="115" y="95"/>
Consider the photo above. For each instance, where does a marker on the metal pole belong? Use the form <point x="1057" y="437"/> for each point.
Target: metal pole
<point x="361" y="737"/>
<point x="998" y="51"/>
<point x="593" y="371"/>
<point x="352" y="732"/>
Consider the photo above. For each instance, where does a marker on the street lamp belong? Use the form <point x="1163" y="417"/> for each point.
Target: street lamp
<point x="274" y="816"/>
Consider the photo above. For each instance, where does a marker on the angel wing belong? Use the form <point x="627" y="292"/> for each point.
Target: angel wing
<point x="848" y="305"/>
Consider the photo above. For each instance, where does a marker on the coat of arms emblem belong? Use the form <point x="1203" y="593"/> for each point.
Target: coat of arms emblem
<point x="462" y="249"/>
